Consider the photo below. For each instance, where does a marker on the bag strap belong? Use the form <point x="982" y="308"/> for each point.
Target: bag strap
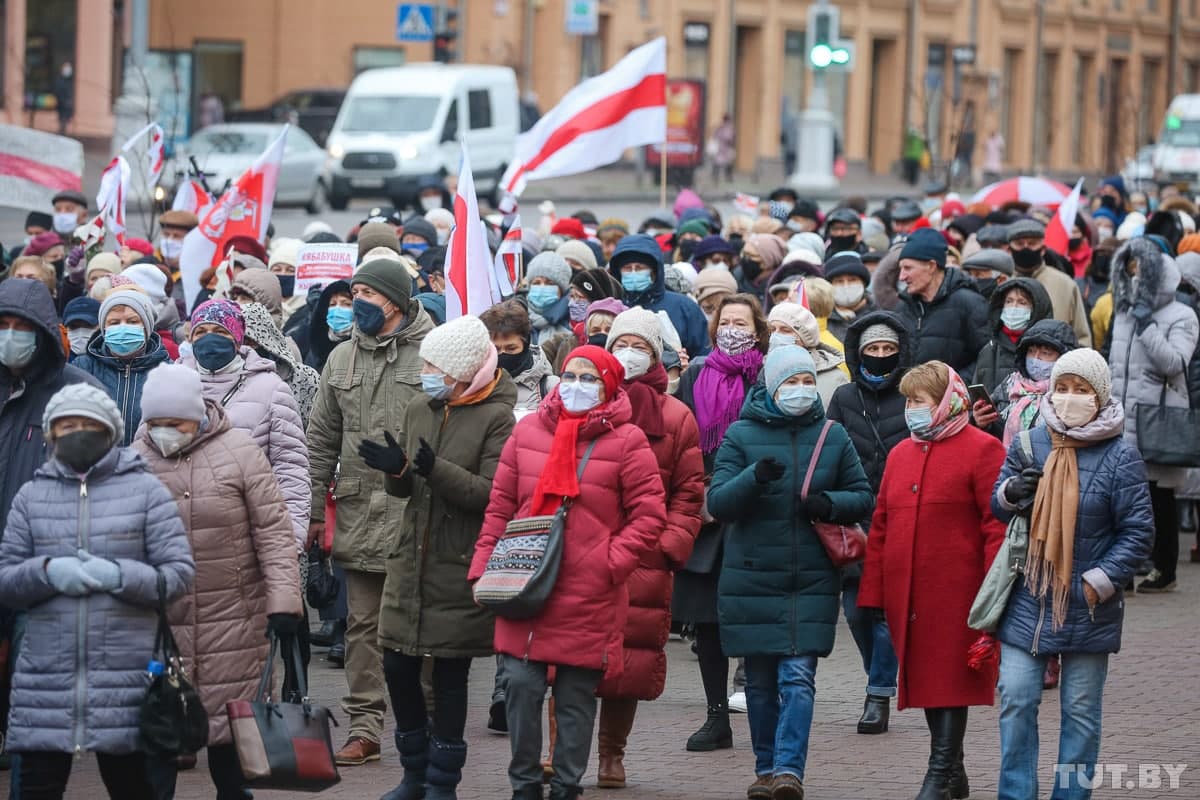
<point x="587" y="455"/>
<point x="816" y="456"/>
<point x="165" y="648"/>
<point x="264" y="682"/>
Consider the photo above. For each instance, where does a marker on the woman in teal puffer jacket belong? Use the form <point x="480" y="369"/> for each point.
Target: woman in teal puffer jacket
<point x="777" y="601"/>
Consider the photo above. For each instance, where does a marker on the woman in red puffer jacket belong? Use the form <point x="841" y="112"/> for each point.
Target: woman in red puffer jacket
<point x="617" y="515"/>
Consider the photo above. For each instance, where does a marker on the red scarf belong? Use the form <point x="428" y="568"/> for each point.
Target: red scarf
<point x="558" y="479"/>
<point x="647" y="398"/>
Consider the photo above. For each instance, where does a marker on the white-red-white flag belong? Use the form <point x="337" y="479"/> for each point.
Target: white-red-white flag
<point x="155" y="156"/>
<point x="596" y="121"/>
<point x="471" y="281"/>
<point x="110" y="199"/>
<point x="244" y="210"/>
<point x="35" y="166"/>
<point x="510" y="255"/>
<point x="191" y="196"/>
<point x="798" y="294"/>
<point x="1058" y="230"/>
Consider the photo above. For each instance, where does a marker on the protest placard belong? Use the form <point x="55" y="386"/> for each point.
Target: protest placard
<point x="322" y="264"/>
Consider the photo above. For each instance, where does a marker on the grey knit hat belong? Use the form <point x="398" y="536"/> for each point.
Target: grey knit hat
<point x="140" y="302"/>
<point x="1089" y="365"/>
<point x="639" y="322"/>
<point x="551" y="266"/>
<point x="878" y="332"/>
<point x="172" y="391"/>
<point x="377" y="234"/>
<point x="84" y="400"/>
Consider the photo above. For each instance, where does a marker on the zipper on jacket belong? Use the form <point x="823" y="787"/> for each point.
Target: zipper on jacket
<point x="81" y="541"/>
<point x="795" y="543"/>
<point x="126" y="395"/>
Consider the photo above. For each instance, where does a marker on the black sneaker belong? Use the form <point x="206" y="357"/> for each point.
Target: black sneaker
<point x="497" y="719"/>
<point x="1156" y="584"/>
<point x="714" y="734"/>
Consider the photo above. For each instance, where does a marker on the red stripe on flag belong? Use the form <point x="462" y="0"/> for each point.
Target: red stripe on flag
<point x="649" y="92"/>
<point x="39" y="172"/>
<point x="457" y="273"/>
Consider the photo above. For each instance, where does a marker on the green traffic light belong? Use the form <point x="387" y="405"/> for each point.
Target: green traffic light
<point x="821" y="56"/>
<point x="841" y="56"/>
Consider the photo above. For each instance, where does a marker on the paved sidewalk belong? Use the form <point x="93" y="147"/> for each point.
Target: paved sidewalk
<point x="1152" y="716"/>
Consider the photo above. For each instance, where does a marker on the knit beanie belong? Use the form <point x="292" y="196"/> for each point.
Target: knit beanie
<point x="419" y="226"/>
<point x="376" y="234"/>
<point x="714" y="281"/>
<point x="847" y="262"/>
<point x="771" y="249"/>
<point x="799" y="319"/>
<point x="551" y="266"/>
<point x="313" y="228"/>
<point x="594" y="284"/>
<point x="1089" y="365"/>
<point x="711" y="245"/>
<point x="878" y="332"/>
<point x="784" y="362"/>
<point x="150" y="278"/>
<point x="387" y="276"/>
<point x="138" y="301"/>
<point x="569" y="227"/>
<point x="808" y="241"/>
<point x="105" y="263"/>
<point x="637" y="321"/>
<point x="925" y="244"/>
<point x="224" y="313"/>
<point x="82" y="309"/>
<point x="696" y="226"/>
<point x="84" y="400"/>
<point x="578" y="252"/>
<point x="609" y="305"/>
<point x="459" y="348"/>
<point x="284" y="251"/>
<point x="440" y="217"/>
<point x="172" y="391"/>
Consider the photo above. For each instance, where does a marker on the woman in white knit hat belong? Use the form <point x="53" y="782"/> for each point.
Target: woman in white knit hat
<point x="453" y="436"/>
<point x="792" y="323"/>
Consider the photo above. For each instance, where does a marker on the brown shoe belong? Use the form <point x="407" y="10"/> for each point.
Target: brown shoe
<point x="357" y="751"/>
<point x="761" y="788"/>
<point x="616" y="720"/>
<point x="611" y="772"/>
<point x="786" y="787"/>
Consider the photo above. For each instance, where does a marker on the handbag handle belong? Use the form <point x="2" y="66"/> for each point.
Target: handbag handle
<point x="292" y="669"/>
<point x="166" y="651"/>
<point x="816" y="456"/>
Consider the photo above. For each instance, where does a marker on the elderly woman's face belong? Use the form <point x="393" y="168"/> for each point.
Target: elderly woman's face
<point x="580" y="369"/>
<point x="64" y="425"/>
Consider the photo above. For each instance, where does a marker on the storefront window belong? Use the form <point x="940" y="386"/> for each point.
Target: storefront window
<point x="49" y="45"/>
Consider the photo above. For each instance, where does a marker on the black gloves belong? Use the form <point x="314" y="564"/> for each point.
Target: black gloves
<point x="767" y="470"/>
<point x="1020" y="488"/>
<point x="818" y="508"/>
<point x="282" y="624"/>
<point x="423" y="463"/>
<point x="1142" y="315"/>
<point x="387" y="458"/>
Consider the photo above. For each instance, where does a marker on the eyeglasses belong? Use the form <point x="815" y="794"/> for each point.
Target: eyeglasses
<point x="571" y="377"/>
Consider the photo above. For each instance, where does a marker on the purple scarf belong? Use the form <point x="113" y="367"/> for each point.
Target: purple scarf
<point x="719" y="392"/>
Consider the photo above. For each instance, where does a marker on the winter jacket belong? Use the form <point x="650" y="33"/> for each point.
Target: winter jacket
<point x="617" y="517"/>
<point x="318" y="343"/>
<point x="241" y="539"/>
<point x="1143" y="364"/>
<point x="365" y="389"/>
<point x="1068" y="303"/>
<point x="80" y="673"/>
<point x="1114" y="530"/>
<point x="839" y="325"/>
<point x="1049" y="332"/>
<point x="952" y="328"/>
<point x="23" y="399"/>
<point x="257" y="401"/>
<point x="1189" y="294"/>
<point x="534" y="383"/>
<point x="681" y="468"/>
<point x="831" y="371"/>
<point x="778" y="593"/>
<point x="122" y="378"/>
<point x="427" y="605"/>
<point x="932" y="539"/>
<point x="685" y="314"/>
<point x="995" y="361"/>
<point x="884" y="292"/>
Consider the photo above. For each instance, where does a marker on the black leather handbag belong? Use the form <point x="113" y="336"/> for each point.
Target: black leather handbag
<point x="172" y="720"/>
<point x="322" y="587"/>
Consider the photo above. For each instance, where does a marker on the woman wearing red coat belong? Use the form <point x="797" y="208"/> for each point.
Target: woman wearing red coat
<point x="932" y="539"/>
<point x="636" y="341"/>
<point x="617" y="515"/>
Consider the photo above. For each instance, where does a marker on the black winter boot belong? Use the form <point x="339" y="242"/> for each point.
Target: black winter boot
<point x="714" y="734"/>
<point x="946" y="729"/>
<point x="876" y="711"/>
<point x="414" y="757"/>
<point x="446" y="761"/>
<point x="960" y="787"/>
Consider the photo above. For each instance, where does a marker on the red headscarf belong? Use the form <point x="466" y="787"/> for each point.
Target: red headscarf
<point x="558" y="479"/>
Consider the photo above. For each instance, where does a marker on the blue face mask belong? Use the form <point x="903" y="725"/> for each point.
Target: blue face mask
<point x="17" y="348"/>
<point x="213" y="351"/>
<point x="1016" y="318"/>
<point x="635" y="282"/>
<point x="434" y="384"/>
<point x="122" y="340"/>
<point x="919" y="420"/>
<point x="796" y="400"/>
<point x="543" y="296"/>
<point x="415" y="247"/>
<point x="368" y="316"/>
<point x="339" y="318"/>
<point x="780" y="340"/>
<point x="1038" y="369"/>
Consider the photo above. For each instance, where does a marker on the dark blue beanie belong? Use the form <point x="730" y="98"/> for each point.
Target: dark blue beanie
<point x="925" y="244"/>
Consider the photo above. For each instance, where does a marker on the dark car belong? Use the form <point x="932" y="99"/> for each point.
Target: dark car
<point x="314" y="110"/>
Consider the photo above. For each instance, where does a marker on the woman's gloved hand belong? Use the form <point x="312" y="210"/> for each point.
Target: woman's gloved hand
<point x="107" y="573"/>
<point x="768" y="470"/>
<point x="387" y="458"/>
<point x="67" y="575"/>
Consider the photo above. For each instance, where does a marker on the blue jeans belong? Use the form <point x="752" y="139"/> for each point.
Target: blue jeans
<point x="779" y="703"/>
<point x="874" y="642"/>
<point x="1081" y="690"/>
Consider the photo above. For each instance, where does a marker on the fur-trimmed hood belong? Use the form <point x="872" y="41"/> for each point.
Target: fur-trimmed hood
<point x="1157" y="275"/>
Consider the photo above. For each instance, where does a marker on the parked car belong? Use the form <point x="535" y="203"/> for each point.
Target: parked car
<point x="223" y="152"/>
<point x="1177" y="153"/>
<point x="314" y="110"/>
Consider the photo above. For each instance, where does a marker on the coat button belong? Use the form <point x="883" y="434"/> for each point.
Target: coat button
<point x="913" y="618"/>
<point x="186" y="495"/>
<point x="925" y="448"/>
<point x="914" y="488"/>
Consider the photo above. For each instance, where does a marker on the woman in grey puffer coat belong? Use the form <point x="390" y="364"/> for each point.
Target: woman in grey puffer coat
<point x="86" y="542"/>
<point x="1153" y="338"/>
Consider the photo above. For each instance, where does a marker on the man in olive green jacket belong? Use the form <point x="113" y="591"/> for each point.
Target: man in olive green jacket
<point x="365" y="388"/>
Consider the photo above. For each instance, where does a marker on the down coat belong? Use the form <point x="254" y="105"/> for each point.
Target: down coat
<point x="681" y="468"/>
<point x="100" y="642"/>
<point x="932" y="539"/>
<point x="427" y="605"/>
<point x="241" y="540"/>
<point x="617" y="517"/>
<point x="953" y="327"/>
<point x="257" y="401"/>
<point x="1149" y="367"/>
<point x="778" y="593"/>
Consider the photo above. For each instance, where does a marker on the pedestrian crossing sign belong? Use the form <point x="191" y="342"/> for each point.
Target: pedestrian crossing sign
<point x="414" y="23"/>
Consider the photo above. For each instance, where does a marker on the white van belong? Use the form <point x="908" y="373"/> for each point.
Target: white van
<point x="1177" y="153"/>
<point x="400" y="124"/>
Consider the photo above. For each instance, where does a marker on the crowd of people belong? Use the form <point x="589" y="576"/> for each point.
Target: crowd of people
<point x="697" y="397"/>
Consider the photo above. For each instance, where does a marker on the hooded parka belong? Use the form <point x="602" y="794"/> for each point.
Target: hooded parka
<point x="995" y="362"/>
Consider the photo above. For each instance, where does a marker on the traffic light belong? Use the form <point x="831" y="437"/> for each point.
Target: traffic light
<point x="826" y="48"/>
<point x="443" y="46"/>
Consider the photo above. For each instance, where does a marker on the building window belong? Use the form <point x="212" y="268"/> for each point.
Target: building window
<point x="1079" y="107"/>
<point x="1147" y="118"/>
<point x="935" y="92"/>
<point x="1045" y="109"/>
<point x="375" y="57"/>
<point x="49" y="44"/>
<point x="1009" y="80"/>
<point x="696" y="36"/>
<point x="591" y="50"/>
<point x="1152" y="6"/>
<point x="1191" y="77"/>
<point x="479" y="108"/>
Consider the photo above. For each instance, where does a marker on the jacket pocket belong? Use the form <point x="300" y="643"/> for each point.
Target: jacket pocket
<point x="348" y="389"/>
<point x="128" y="640"/>
<point x="345" y="487"/>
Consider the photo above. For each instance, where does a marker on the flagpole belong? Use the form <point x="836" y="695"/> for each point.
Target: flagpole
<point x="662" y="175"/>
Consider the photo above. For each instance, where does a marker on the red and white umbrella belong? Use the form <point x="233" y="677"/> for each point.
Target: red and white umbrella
<point x="1035" y="191"/>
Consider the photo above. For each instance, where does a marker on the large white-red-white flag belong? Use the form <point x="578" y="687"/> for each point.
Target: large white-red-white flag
<point x="1058" y="230"/>
<point x="110" y="199"/>
<point x="154" y="155"/>
<point x="244" y="210"/>
<point x="472" y="285"/>
<point x="35" y="166"/>
<point x="596" y="121"/>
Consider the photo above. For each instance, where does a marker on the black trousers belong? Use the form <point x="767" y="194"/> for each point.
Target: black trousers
<point x="1166" y="530"/>
<point x="403" y="676"/>
<point x="714" y="664"/>
<point x="135" y="776"/>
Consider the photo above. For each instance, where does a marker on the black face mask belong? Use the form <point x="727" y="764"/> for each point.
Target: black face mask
<point x="598" y="339"/>
<point x="751" y="269"/>
<point x="80" y="450"/>
<point x="1027" y="259"/>
<point x="841" y="244"/>
<point x="686" y="248"/>
<point x="515" y="363"/>
<point x="736" y="241"/>
<point x="288" y="284"/>
<point x="59" y="265"/>
<point x="879" y="366"/>
<point x="1074" y="242"/>
<point x="986" y="286"/>
<point x="1109" y="202"/>
<point x="1101" y="267"/>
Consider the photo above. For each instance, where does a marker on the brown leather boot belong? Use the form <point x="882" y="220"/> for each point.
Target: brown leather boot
<point x="552" y="724"/>
<point x="616" y="721"/>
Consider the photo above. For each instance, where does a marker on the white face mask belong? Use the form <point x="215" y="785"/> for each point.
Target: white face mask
<point x="635" y="362"/>
<point x="169" y="440"/>
<point x="442" y="236"/>
<point x="721" y="265"/>
<point x="430" y="202"/>
<point x="579" y="397"/>
<point x="65" y="222"/>
<point x="848" y="295"/>
<point x="780" y="340"/>
<point x="1074" y="409"/>
<point x="79" y="337"/>
<point x="170" y="248"/>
